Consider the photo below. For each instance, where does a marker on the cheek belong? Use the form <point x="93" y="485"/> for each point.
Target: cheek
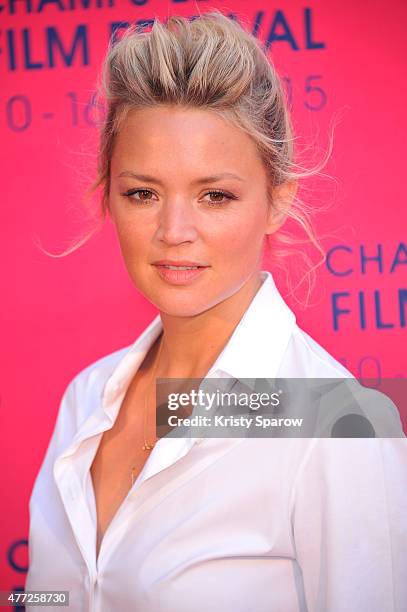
<point x="243" y="235"/>
<point x="133" y="237"/>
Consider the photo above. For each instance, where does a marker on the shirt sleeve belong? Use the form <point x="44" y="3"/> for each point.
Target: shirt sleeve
<point x="349" y="525"/>
<point x="42" y="490"/>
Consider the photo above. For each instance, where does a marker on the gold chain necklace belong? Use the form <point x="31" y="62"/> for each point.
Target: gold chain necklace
<point x="148" y="445"/>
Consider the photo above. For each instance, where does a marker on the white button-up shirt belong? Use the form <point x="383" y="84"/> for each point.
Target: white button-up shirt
<point x="223" y="524"/>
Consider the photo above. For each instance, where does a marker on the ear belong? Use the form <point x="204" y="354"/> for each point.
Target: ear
<point x="283" y="197"/>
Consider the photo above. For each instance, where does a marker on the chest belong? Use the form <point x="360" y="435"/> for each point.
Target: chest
<point x="222" y="525"/>
<point x="118" y="461"/>
<point x="218" y="516"/>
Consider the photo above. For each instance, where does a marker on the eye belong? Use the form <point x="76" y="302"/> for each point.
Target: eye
<point x="219" y="203"/>
<point x="131" y="192"/>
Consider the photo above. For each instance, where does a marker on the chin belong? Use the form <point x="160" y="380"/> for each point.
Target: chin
<point x="176" y="307"/>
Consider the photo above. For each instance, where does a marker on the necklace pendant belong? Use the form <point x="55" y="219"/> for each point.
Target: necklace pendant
<point x="148" y="446"/>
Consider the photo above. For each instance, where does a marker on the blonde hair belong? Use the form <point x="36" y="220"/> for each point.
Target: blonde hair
<point x="210" y="62"/>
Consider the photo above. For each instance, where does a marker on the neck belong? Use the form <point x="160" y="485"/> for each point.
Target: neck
<point x="192" y="344"/>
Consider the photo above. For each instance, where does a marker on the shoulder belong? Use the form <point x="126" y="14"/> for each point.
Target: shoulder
<point x="81" y="396"/>
<point x="305" y="357"/>
<point x="87" y="386"/>
<point x="85" y="389"/>
<point x="343" y="409"/>
<point x="99" y="371"/>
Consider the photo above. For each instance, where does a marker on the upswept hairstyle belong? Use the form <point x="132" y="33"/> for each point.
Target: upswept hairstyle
<point x="209" y="62"/>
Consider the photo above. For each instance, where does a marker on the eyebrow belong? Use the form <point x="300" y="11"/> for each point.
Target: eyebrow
<point x="206" y="179"/>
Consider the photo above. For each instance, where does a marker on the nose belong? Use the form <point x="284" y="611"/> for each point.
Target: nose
<point x="177" y="222"/>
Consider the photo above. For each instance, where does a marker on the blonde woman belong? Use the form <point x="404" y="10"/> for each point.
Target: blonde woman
<point x="197" y="169"/>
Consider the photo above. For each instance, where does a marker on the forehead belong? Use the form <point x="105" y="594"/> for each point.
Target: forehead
<point x="171" y="137"/>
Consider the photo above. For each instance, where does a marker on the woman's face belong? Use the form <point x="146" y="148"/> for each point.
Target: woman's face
<point x="202" y="200"/>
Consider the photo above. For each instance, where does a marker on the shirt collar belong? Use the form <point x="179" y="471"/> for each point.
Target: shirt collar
<point x="258" y="343"/>
<point x="255" y="349"/>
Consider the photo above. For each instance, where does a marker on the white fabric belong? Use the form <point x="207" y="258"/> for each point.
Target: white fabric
<point x="223" y="525"/>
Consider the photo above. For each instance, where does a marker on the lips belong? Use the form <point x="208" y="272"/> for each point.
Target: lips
<point x="180" y="267"/>
<point x="179" y="274"/>
<point x="179" y="264"/>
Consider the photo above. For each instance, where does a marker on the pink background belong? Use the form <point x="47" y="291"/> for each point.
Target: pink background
<point x="59" y="315"/>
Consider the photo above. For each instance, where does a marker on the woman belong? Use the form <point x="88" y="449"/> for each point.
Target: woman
<point x="197" y="169"/>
